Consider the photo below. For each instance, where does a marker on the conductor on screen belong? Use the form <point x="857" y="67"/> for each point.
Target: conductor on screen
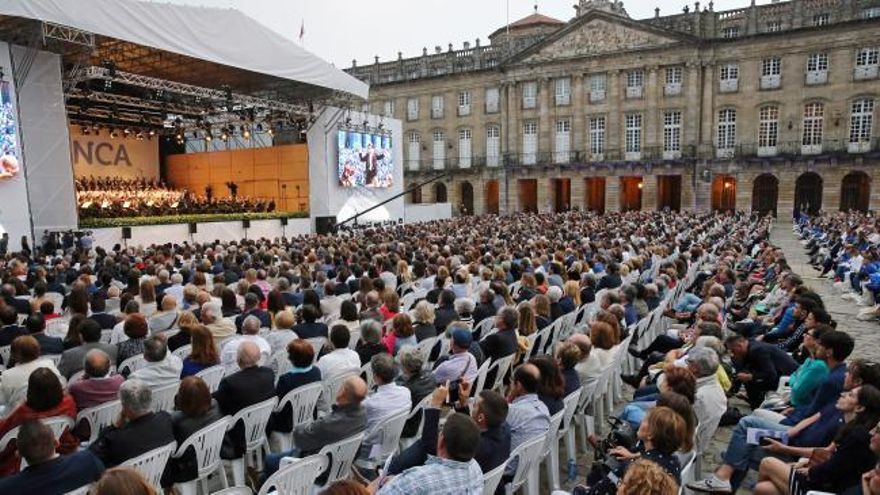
<point x="371" y="158"/>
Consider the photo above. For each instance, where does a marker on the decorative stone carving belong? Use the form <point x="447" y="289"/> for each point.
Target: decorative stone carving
<point x="597" y="37"/>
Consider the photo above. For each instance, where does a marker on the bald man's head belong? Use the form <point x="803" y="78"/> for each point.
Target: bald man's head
<point x="248" y="354"/>
<point x="96" y="363"/>
<point x="527" y="378"/>
<point x="352" y="392"/>
<point x="583" y="343"/>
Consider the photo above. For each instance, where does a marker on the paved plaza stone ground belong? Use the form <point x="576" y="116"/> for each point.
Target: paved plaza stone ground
<point x="865" y="333"/>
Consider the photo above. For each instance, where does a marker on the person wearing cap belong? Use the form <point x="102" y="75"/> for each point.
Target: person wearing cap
<point x="461" y="363"/>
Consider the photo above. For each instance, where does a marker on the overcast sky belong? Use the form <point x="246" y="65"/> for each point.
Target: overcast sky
<point x="342" y="30"/>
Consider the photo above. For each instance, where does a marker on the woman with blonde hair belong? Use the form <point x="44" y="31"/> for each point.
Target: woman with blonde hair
<point x="122" y="481"/>
<point x="423" y="321"/>
<point x="647" y="478"/>
<point x="543" y="316"/>
<point x="404" y="275"/>
<point x="571" y="299"/>
<point x="526" y="325"/>
<point x="391" y="305"/>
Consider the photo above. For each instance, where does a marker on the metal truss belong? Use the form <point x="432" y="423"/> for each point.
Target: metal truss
<point x="117" y="76"/>
<point x="52" y="31"/>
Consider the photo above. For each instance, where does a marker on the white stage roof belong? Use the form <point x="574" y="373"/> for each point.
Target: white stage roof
<point x="222" y="36"/>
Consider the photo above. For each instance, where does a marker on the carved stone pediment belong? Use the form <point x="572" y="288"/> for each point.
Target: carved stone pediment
<point x="599" y="36"/>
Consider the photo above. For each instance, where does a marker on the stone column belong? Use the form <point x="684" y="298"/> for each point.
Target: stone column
<point x="614" y="126"/>
<point x="578" y="117"/>
<point x="612" y="193"/>
<point x="651" y="112"/>
<point x="546" y="126"/>
<point x="690" y="135"/>
<point x="649" y="192"/>
<point x="578" y="192"/>
<point x="545" y="195"/>
<point x="706" y="149"/>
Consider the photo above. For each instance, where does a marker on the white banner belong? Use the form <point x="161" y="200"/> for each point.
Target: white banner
<point x="103" y="156"/>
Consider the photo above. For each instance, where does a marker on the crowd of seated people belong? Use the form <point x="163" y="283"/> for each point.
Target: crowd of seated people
<point x="356" y="308"/>
<point x="114" y="197"/>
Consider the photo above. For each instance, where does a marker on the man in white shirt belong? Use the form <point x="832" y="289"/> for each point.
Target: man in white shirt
<point x="330" y="303"/>
<point x="341" y="359"/>
<point x="176" y="288"/>
<point x="25" y="352"/>
<point x="710" y="402"/>
<point x="388" y="399"/>
<point x="250" y="331"/>
<point x="163" y="368"/>
<point x="587" y="369"/>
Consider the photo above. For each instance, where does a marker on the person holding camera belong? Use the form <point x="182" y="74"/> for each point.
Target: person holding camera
<point x="660" y="436"/>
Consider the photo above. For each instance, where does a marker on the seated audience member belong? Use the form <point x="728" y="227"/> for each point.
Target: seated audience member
<point x="660" y="436"/>
<point x="460" y="364"/>
<point x="137" y="430"/>
<point x="282" y="334"/>
<point x="229" y="304"/>
<point x="251" y="384"/>
<point x="186" y="322"/>
<point x="568" y="356"/>
<point x="97" y="384"/>
<point x="221" y="328"/>
<point x="710" y="402"/>
<point x="850" y="453"/>
<point x="417" y="379"/>
<point x="551" y="389"/>
<point x="162" y="367"/>
<point x="370" y="306"/>
<point x="401" y="334"/>
<point x="504" y="342"/>
<point x="10" y="329"/>
<point x="423" y="321"/>
<point x="252" y="308"/>
<point x="371" y="341"/>
<point x="47" y="471"/>
<point x="348" y="417"/>
<point x="123" y="480"/>
<point x="812" y="372"/>
<point x="36" y="327"/>
<point x="341" y="359"/>
<point x="454" y="464"/>
<point x="46" y="398"/>
<point x="250" y="332"/>
<point x="587" y="369"/>
<point x="310" y="328"/>
<point x="388" y="399"/>
<point x="301" y="355"/>
<point x="464" y="309"/>
<point x="390" y="305"/>
<point x="99" y="313"/>
<point x="489" y="412"/>
<point x="166" y="318"/>
<point x="204" y="352"/>
<point x="485" y="307"/>
<point x="194" y="409"/>
<point x="25" y="353"/>
<point x="72" y="359"/>
<point x="137" y="331"/>
<point x="759" y="366"/>
<point x="445" y="312"/>
<point x="527" y="416"/>
<point x="644" y="477"/>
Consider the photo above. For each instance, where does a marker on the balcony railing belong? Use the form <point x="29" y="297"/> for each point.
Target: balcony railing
<point x="647" y="154"/>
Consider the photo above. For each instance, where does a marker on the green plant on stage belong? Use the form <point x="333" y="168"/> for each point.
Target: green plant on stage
<point x="100" y="223"/>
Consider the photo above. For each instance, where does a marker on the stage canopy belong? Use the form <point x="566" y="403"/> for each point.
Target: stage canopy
<point x="206" y="47"/>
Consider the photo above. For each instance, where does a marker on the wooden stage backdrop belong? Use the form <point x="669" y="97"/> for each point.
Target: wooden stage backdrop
<point x="279" y="173"/>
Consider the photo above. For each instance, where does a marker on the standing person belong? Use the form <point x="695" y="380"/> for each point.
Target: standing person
<point x="759" y="366"/>
<point x="370" y="157"/>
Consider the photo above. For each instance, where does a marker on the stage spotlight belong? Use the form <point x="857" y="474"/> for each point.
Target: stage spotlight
<point x="126" y="131"/>
<point x="152" y="132"/>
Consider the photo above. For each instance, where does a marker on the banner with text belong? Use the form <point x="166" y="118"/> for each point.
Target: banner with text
<point x="103" y="156"/>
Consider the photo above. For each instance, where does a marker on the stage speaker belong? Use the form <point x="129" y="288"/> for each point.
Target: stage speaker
<point x="246" y="223"/>
<point x="193" y="228"/>
<point x="324" y="225"/>
<point x="126" y="233"/>
<point x="284" y="221"/>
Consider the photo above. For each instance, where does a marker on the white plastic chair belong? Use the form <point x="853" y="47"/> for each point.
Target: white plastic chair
<point x="163" y="397"/>
<point x="416" y="411"/>
<point x="426" y="346"/>
<point x="58" y="424"/>
<point x="206" y="443"/>
<point x="501" y="365"/>
<point x="151" y="464"/>
<point x="331" y="387"/>
<point x="367" y="371"/>
<point x="99" y="417"/>
<point x="482" y="374"/>
<point x="279" y="363"/>
<point x="341" y="456"/>
<point x="582" y="418"/>
<point x="55" y="358"/>
<point x="526" y="454"/>
<point x="5" y="354"/>
<point x="387" y="436"/>
<point x="687" y="471"/>
<point x="484" y="326"/>
<point x="132" y="364"/>
<point x="318" y="343"/>
<point x="492" y="478"/>
<point x="571" y="402"/>
<point x="183" y="351"/>
<point x="255" y="419"/>
<point x="302" y="402"/>
<point x="212" y="376"/>
<point x="57" y="327"/>
<point x="550" y="454"/>
<point x="295" y="476"/>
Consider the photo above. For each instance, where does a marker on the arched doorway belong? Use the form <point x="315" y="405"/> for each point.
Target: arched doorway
<point x="855" y="192"/>
<point x="561" y="194"/>
<point x="808" y="193"/>
<point x="493" y="197"/>
<point x="415" y="196"/>
<point x="595" y="194"/>
<point x="528" y="195"/>
<point x="631" y="193"/>
<point x="765" y="193"/>
<point x="467" y="199"/>
<point x="724" y="193"/>
<point x="669" y="192"/>
<point x="440" y="192"/>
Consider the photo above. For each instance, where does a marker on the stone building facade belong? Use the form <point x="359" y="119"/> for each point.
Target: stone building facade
<point x="764" y="108"/>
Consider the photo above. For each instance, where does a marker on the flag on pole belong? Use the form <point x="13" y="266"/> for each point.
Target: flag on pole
<point x="302" y="30"/>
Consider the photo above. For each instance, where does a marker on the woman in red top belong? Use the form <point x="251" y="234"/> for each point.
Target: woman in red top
<point x="391" y="308"/>
<point x="45" y="399"/>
